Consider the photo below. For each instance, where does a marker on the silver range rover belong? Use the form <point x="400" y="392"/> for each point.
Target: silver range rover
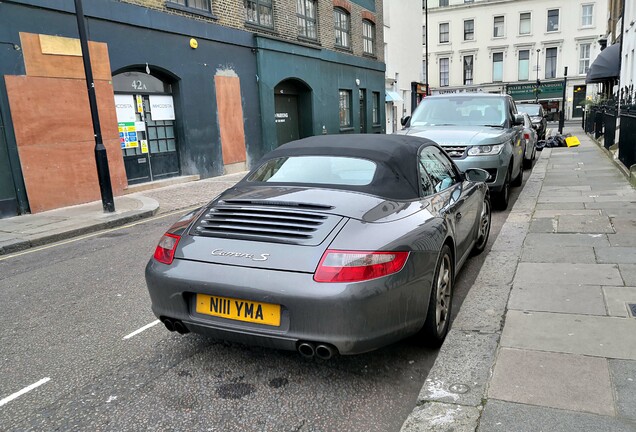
<point x="477" y="130"/>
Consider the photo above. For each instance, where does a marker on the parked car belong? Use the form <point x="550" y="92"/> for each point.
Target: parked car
<point x="537" y="115"/>
<point x="331" y="244"/>
<point x="477" y="130"/>
<point x="530" y="139"/>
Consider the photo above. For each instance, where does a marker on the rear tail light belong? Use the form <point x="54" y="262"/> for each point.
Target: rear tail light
<point x="354" y="266"/>
<point x="526" y="136"/>
<point x="166" y="247"/>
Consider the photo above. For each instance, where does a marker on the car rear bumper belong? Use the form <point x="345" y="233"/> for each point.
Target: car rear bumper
<point x="354" y="318"/>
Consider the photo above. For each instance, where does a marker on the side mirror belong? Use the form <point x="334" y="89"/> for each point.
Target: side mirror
<point x="535" y="126"/>
<point x="405" y="120"/>
<point x="518" y="120"/>
<point x="476" y="175"/>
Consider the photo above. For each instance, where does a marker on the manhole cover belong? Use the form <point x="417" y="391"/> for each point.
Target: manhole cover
<point x="632" y="309"/>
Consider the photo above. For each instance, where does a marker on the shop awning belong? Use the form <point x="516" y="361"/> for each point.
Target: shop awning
<point x="392" y="96"/>
<point x="605" y="67"/>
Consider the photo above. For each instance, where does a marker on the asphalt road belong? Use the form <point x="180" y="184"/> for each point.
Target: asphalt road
<point x="70" y="358"/>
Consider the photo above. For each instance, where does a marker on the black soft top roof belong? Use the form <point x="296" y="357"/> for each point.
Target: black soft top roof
<point x="396" y="176"/>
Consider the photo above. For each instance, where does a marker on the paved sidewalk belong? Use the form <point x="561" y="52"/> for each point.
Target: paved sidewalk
<point x="545" y="340"/>
<point x="22" y="232"/>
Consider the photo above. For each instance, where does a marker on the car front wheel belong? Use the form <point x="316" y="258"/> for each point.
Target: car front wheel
<point x="483" y="230"/>
<point x="503" y="196"/>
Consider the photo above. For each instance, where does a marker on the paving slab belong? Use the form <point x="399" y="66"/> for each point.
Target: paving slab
<point x="544" y="225"/>
<point x="584" y="224"/>
<point x="617" y="255"/>
<point x="565" y="212"/>
<point x="562" y="192"/>
<point x="585" y="188"/>
<point x="628" y="272"/>
<point x="440" y="417"/>
<point x="577" y="199"/>
<point x="547" y="241"/>
<point x="616" y="299"/>
<point x="562" y="254"/>
<point x="462" y="369"/>
<point x="622" y="240"/>
<point x="624" y="225"/>
<point x="555" y="380"/>
<point x="499" y="416"/>
<point x="557" y="205"/>
<point x="623" y="374"/>
<point x="618" y="204"/>
<point x="568" y="274"/>
<point x="572" y="299"/>
<point x="568" y="333"/>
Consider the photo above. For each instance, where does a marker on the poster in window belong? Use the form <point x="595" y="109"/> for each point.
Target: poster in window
<point x="125" y="108"/>
<point x="161" y="107"/>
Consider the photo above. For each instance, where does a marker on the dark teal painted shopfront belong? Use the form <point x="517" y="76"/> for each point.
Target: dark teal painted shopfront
<point x="299" y="91"/>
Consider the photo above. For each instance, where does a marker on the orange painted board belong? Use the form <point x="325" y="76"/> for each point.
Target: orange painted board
<point x="230" y="113"/>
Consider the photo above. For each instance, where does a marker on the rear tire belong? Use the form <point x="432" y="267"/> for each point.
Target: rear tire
<point x="440" y="304"/>
<point x="503" y="196"/>
<point x="527" y="163"/>
<point x="484" y="228"/>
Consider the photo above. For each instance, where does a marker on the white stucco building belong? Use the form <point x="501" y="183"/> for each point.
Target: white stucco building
<point x="497" y="46"/>
<point x="628" y="66"/>
<point x="402" y="45"/>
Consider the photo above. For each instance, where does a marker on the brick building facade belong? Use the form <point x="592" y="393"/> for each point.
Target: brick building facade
<point x="192" y="87"/>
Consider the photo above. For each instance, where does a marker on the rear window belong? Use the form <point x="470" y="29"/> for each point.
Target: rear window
<point x="532" y="110"/>
<point x="345" y="171"/>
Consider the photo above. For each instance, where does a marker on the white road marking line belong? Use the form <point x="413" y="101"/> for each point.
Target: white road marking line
<point x="31" y="250"/>
<point x="23" y="391"/>
<point x="146" y="327"/>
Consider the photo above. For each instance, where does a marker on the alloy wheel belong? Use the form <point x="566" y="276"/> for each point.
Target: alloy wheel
<point x="444" y="291"/>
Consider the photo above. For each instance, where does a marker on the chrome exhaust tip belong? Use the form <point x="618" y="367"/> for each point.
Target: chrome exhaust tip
<point x="324" y="352"/>
<point x="180" y="328"/>
<point x="168" y="323"/>
<point x="306" y="349"/>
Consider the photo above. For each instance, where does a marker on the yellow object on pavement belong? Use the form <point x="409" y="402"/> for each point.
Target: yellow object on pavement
<point x="572" y="141"/>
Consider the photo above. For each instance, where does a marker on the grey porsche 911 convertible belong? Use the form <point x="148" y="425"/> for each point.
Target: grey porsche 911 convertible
<point x="336" y="244"/>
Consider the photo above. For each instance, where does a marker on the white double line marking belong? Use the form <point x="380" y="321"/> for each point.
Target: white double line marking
<point x="23" y="391"/>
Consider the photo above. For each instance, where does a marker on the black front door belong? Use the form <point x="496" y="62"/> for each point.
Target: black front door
<point x="149" y="146"/>
<point x="577" y="100"/>
<point x="363" y="110"/>
<point x="286" y="118"/>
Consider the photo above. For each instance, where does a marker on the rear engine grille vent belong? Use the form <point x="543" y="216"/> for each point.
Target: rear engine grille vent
<point x="277" y="225"/>
<point x="455" y="151"/>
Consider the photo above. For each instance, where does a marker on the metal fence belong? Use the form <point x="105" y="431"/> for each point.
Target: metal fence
<point x="601" y="120"/>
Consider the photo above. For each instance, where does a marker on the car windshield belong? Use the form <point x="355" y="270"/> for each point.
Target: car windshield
<point x="335" y="170"/>
<point x="460" y="111"/>
<point x="532" y="110"/>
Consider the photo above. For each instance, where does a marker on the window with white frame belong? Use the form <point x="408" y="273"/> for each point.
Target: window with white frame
<point x="444" y="33"/>
<point x="524" y="65"/>
<point x="443" y="2"/>
<point x="375" y="109"/>
<point x="587" y="14"/>
<point x="424" y="77"/>
<point x="444" y="72"/>
<point x="498" y="28"/>
<point x="259" y="12"/>
<point x="368" y="37"/>
<point x="345" y="108"/>
<point x="195" y="6"/>
<point x="423" y="35"/>
<point x="525" y="23"/>
<point x="551" y="62"/>
<point x="497" y="67"/>
<point x="468" y="69"/>
<point x="584" y="57"/>
<point x="342" y="28"/>
<point x="306" y="13"/>
<point x="553" y="20"/>
<point x="469" y="30"/>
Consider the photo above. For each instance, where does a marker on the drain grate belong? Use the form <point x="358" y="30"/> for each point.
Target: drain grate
<point x="632" y="309"/>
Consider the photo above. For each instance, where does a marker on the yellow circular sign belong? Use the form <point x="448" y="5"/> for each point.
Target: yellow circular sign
<point x="193" y="43"/>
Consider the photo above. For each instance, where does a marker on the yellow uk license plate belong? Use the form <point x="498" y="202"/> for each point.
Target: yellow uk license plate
<point x="240" y="310"/>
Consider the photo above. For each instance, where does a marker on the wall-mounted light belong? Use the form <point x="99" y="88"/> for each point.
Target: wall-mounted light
<point x="193" y="43"/>
<point x="357" y="82"/>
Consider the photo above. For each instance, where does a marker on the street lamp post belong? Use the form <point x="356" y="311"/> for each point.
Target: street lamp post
<point x="101" y="157"/>
<point x="426" y="44"/>
<point x="536" y="97"/>
<point x="562" y="116"/>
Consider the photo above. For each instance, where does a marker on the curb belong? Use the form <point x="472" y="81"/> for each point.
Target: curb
<point x="150" y="208"/>
<point x="454" y="393"/>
